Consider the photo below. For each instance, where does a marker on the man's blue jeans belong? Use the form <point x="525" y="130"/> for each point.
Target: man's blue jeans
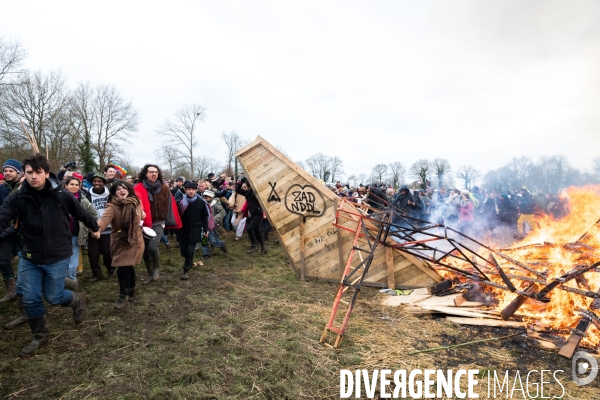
<point x="213" y="238"/>
<point x="74" y="260"/>
<point x="48" y="279"/>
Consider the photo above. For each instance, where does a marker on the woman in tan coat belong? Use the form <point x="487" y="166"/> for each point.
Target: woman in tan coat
<point x="124" y="212"/>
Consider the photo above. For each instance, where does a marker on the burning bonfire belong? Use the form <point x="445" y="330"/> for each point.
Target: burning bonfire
<point x="550" y="279"/>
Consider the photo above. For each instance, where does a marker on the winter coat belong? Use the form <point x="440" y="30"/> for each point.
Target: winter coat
<point x="6" y="189"/>
<point x="254" y="207"/>
<point x="83" y="230"/>
<point x="123" y="253"/>
<point x="194" y="220"/>
<point x="401" y="207"/>
<point x="466" y="210"/>
<point x="156" y="211"/>
<point x="45" y="221"/>
<point x="218" y="211"/>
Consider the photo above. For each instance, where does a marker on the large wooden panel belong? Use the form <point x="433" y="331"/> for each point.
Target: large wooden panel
<point x="303" y="211"/>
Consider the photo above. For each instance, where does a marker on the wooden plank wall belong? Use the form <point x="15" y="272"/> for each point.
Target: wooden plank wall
<point x="302" y="211"/>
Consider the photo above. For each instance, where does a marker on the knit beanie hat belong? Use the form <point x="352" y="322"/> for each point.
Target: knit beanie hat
<point x="14" y="164"/>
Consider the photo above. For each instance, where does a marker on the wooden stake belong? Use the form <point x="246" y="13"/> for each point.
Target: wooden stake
<point x="302" y="252"/>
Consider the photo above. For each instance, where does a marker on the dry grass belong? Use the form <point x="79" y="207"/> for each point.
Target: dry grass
<point x="241" y="327"/>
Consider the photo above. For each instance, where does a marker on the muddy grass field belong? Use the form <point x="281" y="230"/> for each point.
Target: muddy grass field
<point x="244" y="326"/>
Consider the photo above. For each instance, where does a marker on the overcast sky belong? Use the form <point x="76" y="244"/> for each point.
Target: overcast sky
<point x="476" y="82"/>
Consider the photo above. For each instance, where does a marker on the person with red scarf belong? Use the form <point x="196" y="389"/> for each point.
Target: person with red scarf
<point x="155" y="196"/>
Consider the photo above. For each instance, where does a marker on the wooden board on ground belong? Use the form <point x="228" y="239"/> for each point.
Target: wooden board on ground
<point x="293" y="200"/>
<point x="487" y="322"/>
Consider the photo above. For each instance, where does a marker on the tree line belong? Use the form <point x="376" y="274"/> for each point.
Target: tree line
<point x="548" y="174"/>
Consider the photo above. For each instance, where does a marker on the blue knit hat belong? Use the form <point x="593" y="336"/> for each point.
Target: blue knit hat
<point x="14" y="164"/>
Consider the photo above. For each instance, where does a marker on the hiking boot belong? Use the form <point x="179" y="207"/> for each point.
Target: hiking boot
<point x="40" y="327"/>
<point x="21" y="319"/>
<point x="78" y="306"/>
<point x="72" y="285"/>
<point x="185" y="276"/>
<point x="121" y="303"/>
<point x="11" y="293"/>
<point x="252" y="249"/>
<point x="224" y="248"/>
<point x="132" y="295"/>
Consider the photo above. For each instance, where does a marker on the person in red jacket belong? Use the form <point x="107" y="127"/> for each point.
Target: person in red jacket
<point x="155" y="196"/>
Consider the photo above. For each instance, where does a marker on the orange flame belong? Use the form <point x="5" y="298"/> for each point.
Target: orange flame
<point x="556" y="246"/>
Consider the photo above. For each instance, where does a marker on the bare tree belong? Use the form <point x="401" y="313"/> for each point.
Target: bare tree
<point x="468" y="174"/>
<point x="11" y="57"/>
<point x="171" y="161"/>
<point x="441" y="168"/>
<point x="362" y="178"/>
<point x="337" y="167"/>
<point x="379" y="171"/>
<point x="205" y="165"/>
<point x="233" y="141"/>
<point x="40" y="102"/>
<point x="114" y="119"/>
<point x="421" y="170"/>
<point x="319" y="165"/>
<point x="82" y="122"/>
<point x="397" y="172"/>
<point x="181" y="131"/>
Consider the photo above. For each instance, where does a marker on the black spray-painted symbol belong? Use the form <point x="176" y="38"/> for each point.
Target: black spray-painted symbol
<point x="273" y="196"/>
<point x="306" y="201"/>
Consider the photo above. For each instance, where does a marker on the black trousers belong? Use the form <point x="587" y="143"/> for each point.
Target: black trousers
<point x="97" y="247"/>
<point x="254" y="232"/>
<point x="126" y="276"/>
<point x="187" y="252"/>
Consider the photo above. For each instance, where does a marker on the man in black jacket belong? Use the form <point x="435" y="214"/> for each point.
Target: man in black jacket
<point x="43" y="207"/>
<point x="194" y="218"/>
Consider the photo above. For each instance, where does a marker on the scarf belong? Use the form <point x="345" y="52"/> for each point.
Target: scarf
<point x="152" y="188"/>
<point x="128" y="208"/>
<point x="187" y="200"/>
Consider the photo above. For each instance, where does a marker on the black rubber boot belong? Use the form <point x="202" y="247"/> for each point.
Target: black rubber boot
<point x="11" y="293"/>
<point x="72" y="285"/>
<point x="155" y="269"/>
<point x="149" y="267"/>
<point x="40" y="327"/>
<point x="21" y="319"/>
<point x="78" y="306"/>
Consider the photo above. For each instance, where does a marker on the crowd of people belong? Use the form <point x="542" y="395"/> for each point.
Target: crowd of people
<point x="475" y="212"/>
<point x="46" y="220"/>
